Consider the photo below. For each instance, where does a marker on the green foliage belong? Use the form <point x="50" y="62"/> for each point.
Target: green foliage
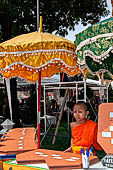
<point x="107" y="76"/>
<point x="3" y="3"/>
<point x="95" y="77"/>
<point x="91" y="76"/>
<point x="58" y="15"/>
<point x="62" y="140"/>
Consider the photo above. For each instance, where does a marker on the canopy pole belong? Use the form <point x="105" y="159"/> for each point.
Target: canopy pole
<point x="38" y="13"/>
<point x="39" y="83"/>
<point x="9" y="97"/>
<point x="38" y="113"/>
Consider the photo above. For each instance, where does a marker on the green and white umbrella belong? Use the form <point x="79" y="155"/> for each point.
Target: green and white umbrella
<point x="94" y="47"/>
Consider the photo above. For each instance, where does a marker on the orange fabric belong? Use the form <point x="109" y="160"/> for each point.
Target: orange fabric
<point x="84" y="136"/>
<point x="77" y="149"/>
<point x="95" y="144"/>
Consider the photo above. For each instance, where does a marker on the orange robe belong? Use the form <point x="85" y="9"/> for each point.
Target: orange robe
<point x="84" y="136"/>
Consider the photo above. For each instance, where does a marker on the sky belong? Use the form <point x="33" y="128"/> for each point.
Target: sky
<point x="80" y="27"/>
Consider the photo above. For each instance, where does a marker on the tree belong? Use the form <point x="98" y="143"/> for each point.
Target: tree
<point x="58" y="15"/>
<point x="91" y="76"/>
<point x="5" y="21"/>
<point x="19" y="16"/>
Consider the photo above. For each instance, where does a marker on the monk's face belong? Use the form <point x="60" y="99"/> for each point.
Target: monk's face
<point x="80" y="113"/>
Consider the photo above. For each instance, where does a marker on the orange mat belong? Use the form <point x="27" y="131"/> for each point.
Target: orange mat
<point x="54" y="159"/>
<point x="18" y="140"/>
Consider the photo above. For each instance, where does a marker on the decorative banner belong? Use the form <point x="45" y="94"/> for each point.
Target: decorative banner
<point x="94" y="46"/>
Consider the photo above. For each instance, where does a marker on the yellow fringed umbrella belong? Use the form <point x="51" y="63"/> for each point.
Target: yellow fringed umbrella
<point x="35" y="55"/>
<point x="27" y="54"/>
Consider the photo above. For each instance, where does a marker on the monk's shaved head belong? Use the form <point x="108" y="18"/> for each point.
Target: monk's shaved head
<point x="82" y="104"/>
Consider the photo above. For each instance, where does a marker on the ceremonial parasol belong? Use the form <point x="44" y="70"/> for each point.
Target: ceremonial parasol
<point x="35" y="55"/>
<point x="94" y="47"/>
<point x="27" y="54"/>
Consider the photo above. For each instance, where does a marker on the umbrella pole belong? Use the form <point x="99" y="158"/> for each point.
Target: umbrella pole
<point x="38" y="15"/>
<point x="38" y="114"/>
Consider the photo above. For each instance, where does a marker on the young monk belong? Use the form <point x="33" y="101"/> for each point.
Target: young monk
<point x="84" y="131"/>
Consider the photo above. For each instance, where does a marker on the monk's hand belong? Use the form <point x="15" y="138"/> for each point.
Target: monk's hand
<point x="68" y="150"/>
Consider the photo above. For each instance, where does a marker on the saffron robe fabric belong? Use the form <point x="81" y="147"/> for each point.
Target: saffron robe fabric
<point x="84" y="136"/>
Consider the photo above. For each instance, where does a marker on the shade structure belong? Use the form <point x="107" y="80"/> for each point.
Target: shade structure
<point x="35" y="55"/>
<point x="94" y="47"/>
<point x="27" y="54"/>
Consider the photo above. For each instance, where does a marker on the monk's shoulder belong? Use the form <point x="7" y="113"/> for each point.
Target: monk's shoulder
<point x="91" y="122"/>
<point x="73" y="124"/>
